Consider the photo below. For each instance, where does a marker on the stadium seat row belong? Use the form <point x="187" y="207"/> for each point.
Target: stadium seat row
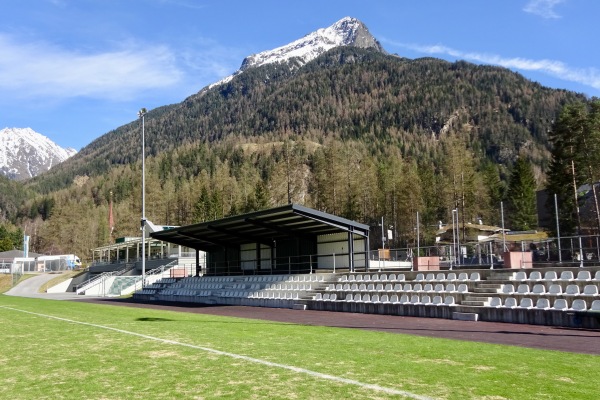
<point x="552" y="276"/>
<point x="554" y="290"/>
<point x="420" y="277"/>
<point x="398" y="287"/>
<point x="544" y="304"/>
<point x="393" y="299"/>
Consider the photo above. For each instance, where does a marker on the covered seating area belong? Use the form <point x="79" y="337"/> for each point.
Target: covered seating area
<point x="287" y="239"/>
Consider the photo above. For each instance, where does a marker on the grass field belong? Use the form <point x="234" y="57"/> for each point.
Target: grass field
<point x="73" y="350"/>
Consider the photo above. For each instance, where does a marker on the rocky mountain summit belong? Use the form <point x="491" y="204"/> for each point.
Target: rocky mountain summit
<point x="345" y="32"/>
<point x="25" y="153"/>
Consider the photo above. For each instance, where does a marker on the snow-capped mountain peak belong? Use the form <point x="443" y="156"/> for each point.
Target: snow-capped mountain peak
<point x="25" y="153"/>
<point x="345" y="32"/>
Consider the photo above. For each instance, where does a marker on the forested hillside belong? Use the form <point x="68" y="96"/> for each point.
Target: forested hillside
<point x="355" y="132"/>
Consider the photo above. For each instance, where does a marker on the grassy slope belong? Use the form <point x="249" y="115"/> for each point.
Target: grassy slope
<point x="45" y="358"/>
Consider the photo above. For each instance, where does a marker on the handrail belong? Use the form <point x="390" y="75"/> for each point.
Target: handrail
<point x="92" y="281"/>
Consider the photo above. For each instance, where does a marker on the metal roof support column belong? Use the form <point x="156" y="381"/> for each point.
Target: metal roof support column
<point x="367" y="252"/>
<point x="197" y="262"/>
<point x="257" y="254"/>
<point x="351" y="251"/>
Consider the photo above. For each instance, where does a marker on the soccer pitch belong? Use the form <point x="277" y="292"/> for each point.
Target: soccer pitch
<point x="75" y="350"/>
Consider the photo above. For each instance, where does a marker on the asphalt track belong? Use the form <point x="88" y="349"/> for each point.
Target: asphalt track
<point x="585" y="341"/>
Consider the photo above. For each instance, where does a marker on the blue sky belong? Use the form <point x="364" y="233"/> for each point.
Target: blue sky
<point x="75" y="69"/>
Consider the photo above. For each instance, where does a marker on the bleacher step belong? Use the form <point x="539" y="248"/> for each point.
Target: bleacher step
<point x="473" y="303"/>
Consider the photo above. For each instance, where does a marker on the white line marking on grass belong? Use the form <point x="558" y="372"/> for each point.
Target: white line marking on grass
<point x="239" y="357"/>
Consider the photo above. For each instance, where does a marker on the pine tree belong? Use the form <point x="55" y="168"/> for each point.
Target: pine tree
<point x="521" y="197"/>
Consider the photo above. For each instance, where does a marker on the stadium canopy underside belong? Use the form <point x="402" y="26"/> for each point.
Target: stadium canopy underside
<point x="289" y="238"/>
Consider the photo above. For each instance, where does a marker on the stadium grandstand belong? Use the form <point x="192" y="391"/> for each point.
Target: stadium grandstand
<point x="296" y="257"/>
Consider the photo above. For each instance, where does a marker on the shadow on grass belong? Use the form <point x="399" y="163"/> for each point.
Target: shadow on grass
<point x="152" y="319"/>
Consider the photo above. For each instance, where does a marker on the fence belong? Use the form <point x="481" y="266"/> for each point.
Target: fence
<point x="568" y="251"/>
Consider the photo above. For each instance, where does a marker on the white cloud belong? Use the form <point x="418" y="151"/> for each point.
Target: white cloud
<point x="558" y="69"/>
<point x="34" y="70"/>
<point x="543" y="8"/>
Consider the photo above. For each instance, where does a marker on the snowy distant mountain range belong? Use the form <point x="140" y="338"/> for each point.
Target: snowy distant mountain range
<point x="346" y="32"/>
<point x="25" y="153"/>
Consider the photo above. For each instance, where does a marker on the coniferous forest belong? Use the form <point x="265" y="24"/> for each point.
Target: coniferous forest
<point x="355" y="133"/>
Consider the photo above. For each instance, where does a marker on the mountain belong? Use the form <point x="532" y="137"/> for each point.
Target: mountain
<point x="25" y="153"/>
<point x="348" y="130"/>
<point x="345" y="32"/>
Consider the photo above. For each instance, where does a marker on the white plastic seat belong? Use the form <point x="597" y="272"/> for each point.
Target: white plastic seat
<point x="407" y="287"/>
<point x="590" y="290"/>
<point x="566" y="276"/>
<point x="475" y="276"/>
<point x="584" y="276"/>
<point x="318" y="296"/>
<point x="595" y="305"/>
<point x="357" y="298"/>
<point x="451" y="276"/>
<point x="578" y="305"/>
<point x="572" y="290"/>
<point x="510" y="302"/>
<point x="375" y="277"/>
<point x="398" y="287"/>
<point x="439" y="288"/>
<point x="520" y="276"/>
<point x="379" y="287"/>
<point x="400" y="277"/>
<point x="538" y="289"/>
<point x="440" y="277"/>
<point x="437" y="300"/>
<point x="495" y="302"/>
<point x="550" y="276"/>
<point x="449" y="301"/>
<point x="385" y="298"/>
<point x="394" y="299"/>
<point x="383" y="277"/>
<point x="523" y="288"/>
<point x="420" y="277"/>
<point x="462" y="288"/>
<point x="426" y="299"/>
<point x="430" y="277"/>
<point x="351" y="278"/>
<point x="392" y="277"/>
<point x="388" y="287"/>
<point x="526" y="302"/>
<point x="325" y="297"/>
<point x="370" y="287"/>
<point x="507" y="288"/>
<point x="403" y="299"/>
<point x="417" y="287"/>
<point x="354" y="287"/>
<point x="358" y="278"/>
<point x="343" y="278"/>
<point x="349" y="297"/>
<point x="366" y="298"/>
<point x="463" y="276"/>
<point x="542" y="303"/>
<point x="362" y="287"/>
<point x="597" y="276"/>
<point x="535" y="276"/>
<point x="428" y="287"/>
<point x="375" y="299"/>
<point x="555" y="290"/>
<point x="450" y="288"/>
<point x="414" y="299"/>
<point x="333" y="297"/>
<point x="560" y="304"/>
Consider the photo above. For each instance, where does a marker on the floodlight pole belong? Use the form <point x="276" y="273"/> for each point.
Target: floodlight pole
<point x="141" y="114"/>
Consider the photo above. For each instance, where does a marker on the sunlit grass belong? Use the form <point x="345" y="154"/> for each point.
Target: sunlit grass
<point x="49" y="358"/>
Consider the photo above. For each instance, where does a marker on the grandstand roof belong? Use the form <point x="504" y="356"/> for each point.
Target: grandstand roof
<point x="264" y="227"/>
